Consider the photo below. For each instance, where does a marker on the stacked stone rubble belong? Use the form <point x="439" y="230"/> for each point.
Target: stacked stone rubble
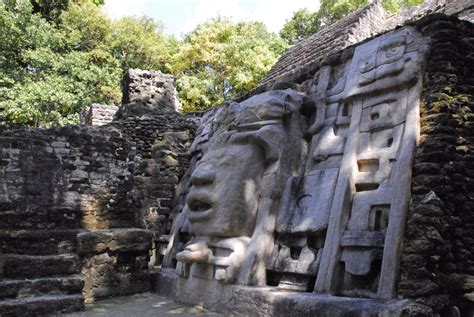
<point x="437" y="264"/>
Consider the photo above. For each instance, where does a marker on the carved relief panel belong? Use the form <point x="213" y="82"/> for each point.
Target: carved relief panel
<point x="369" y="209"/>
<point x="312" y="196"/>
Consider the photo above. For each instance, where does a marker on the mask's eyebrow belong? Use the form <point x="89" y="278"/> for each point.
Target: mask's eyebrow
<point x="219" y="158"/>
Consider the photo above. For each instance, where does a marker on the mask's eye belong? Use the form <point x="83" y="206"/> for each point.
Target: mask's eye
<point x="394" y="51"/>
<point x="367" y="64"/>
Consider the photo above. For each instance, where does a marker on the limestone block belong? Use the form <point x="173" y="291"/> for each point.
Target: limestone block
<point x="114" y="240"/>
<point x="393" y="60"/>
<point x="306" y="202"/>
<point x="98" y="114"/>
<point x="150" y="88"/>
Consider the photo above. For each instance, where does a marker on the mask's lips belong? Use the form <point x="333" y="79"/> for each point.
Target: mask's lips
<point x="200" y="207"/>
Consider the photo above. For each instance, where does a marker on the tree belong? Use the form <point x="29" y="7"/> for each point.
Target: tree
<point x="300" y="26"/>
<point x="50" y="70"/>
<point x="333" y="10"/>
<point x="52" y="9"/>
<point x="141" y="43"/>
<point x="393" y="6"/>
<point x="304" y="23"/>
<point x="220" y="60"/>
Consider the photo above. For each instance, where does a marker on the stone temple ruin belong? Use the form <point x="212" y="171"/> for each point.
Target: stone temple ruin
<point x="341" y="186"/>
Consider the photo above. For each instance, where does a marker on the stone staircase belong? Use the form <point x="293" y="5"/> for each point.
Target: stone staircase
<point x="39" y="272"/>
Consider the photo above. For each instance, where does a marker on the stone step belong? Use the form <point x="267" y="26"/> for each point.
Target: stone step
<point x="16" y="266"/>
<point x="38" y="242"/>
<point x="31" y="220"/>
<point x="57" y="285"/>
<point x="41" y="305"/>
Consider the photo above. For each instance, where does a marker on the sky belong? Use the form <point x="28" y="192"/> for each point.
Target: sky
<point x="182" y="16"/>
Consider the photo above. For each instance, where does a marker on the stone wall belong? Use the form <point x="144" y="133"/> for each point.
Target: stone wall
<point x="55" y="185"/>
<point x="438" y="262"/>
<point x="61" y="178"/>
<point x="150" y="88"/>
<point x="97" y="114"/>
<point x="463" y="9"/>
<point x="162" y="143"/>
<point x="81" y="206"/>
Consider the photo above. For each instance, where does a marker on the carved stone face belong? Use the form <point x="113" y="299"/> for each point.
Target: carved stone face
<point x="223" y="199"/>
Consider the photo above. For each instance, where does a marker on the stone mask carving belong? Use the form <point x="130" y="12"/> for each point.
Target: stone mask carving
<point x="223" y="200"/>
<point x="225" y="188"/>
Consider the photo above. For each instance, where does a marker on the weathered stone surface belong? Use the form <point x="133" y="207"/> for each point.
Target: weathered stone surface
<point x="112" y="180"/>
<point x="305" y="57"/>
<point x="229" y="180"/>
<point x="38" y="242"/>
<point x="115" y="240"/>
<point x="97" y="114"/>
<point x="438" y="239"/>
<point x="267" y="301"/>
<point x="150" y="89"/>
<point x="41" y="305"/>
<point x="116" y="261"/>
<point x="336" y="225"/>
<point x="116" y="274"/>
<point x="361" y="112"/>
<point x="303" y="187"/>
<point x="41" y="286"/>
<point x="144" y="304"/>
<point x="23" y="266"/>
<point x="83" y="179"/>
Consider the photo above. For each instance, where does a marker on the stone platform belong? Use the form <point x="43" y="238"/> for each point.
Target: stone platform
<point x="268" y="301"/>
<point x="143" y="305"/>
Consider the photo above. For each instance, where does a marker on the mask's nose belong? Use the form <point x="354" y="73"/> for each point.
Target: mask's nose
<point x="202" y="176"/>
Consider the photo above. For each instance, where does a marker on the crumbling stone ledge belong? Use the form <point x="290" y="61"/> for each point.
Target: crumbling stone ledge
<point x="268" y="301"/>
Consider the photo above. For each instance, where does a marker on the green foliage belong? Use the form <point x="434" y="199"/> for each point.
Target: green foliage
<point x="59" y="56"/>
<point x="304" y="23"/>
<point x="85" y="27"/>
<point x="140" y="43"/>
<point x="332" y="10"/>
<point x="300" y="26"/>
<point x="394" y="6"/>
<point x="49" y="70"/>
<point x="220" y="60"/>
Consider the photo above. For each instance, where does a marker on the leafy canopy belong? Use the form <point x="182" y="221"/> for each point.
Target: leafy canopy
<point x="59" y="56"/>
<point x="51" y="69"/>
<point x="304" y="23"/>
<point x="220" y="60"/>
<point x="300" y="26"/>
